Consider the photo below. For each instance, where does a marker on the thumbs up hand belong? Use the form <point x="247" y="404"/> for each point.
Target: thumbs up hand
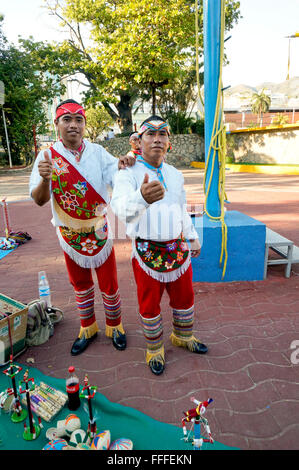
<point x="45" y="167"/>
<point x="153" y="191"/>
<point x="145" y="179"/>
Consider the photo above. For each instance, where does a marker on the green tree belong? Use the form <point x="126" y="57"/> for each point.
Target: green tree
<point x="27" y="94"/>
<point x="280" y="119"/>
<point x="180" y="95"/>
<point x="133" y="48"/>
<point x="178" y="100"/>
<point x="97" y="120"/>
<point x="260" y="103"/>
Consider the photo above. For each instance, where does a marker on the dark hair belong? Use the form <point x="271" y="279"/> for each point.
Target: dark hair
<point x="153" y="118"/>
<point x="67" y="101"/>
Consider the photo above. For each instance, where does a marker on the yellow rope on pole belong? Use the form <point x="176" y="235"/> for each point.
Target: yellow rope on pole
<point x="220" y="137"/>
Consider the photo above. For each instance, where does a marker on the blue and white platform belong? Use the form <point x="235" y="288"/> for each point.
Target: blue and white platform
<point x="245" y="246"/>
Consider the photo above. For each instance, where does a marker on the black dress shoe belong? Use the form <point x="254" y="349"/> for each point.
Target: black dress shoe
<point x="199" y="348"/>
<point x="157" y="365"/>
<point x="81" y="344"/>
<point x="119" y="340"/>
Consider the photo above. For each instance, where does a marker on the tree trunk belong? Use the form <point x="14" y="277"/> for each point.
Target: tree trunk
<point x="124" y="108"/>
<point x="154" y="100"/>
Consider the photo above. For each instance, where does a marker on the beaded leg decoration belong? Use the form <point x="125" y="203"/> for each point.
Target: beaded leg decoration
<point x="85" y="305"/>
<point x="182" y="334"/>
<point x="153" y="333"/>
<point x="112" y="307"/>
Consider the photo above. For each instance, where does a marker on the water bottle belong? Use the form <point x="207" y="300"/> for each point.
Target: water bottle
<point x="44" y="288"/>
<point x="72" y="388"/>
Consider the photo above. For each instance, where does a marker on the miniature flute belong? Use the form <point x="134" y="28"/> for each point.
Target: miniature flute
<point x="57" y="394"/>
<point x="40" y="401"/>
<point x="53" y="394"/>
<point x="39" y="410"/>
<point x="46" y="401"/>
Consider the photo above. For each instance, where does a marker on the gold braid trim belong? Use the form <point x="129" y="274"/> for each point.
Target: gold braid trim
<point x="158" y="354"/>
<point x="109" y="330"/>
<point x="189" y="343"/>
<point x="89" y="331"/>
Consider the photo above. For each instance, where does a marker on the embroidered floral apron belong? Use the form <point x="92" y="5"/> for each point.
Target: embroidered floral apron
<point x="164" y="261"/>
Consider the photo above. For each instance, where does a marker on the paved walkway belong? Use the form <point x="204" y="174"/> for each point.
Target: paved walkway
<point x="248" y="326"/>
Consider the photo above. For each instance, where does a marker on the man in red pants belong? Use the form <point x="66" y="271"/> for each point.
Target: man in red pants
<point x="74" y="174"/>
<point x="150" y="198"/>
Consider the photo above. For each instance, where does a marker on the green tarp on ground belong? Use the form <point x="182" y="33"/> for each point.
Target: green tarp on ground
<point x="122" y="421"/>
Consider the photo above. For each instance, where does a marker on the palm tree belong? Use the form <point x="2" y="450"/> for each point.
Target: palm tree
<point x="280" y="119"/>
<point x="260" y="103"/>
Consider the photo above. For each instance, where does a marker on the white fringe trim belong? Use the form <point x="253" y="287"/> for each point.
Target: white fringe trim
<point x="86" y="261"/>
<point x="161" y="277"/>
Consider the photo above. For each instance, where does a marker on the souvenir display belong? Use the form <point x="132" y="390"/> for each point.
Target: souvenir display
<point x="47" y="401"/>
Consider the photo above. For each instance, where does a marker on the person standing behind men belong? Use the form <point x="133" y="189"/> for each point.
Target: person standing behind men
<point x="134" y="141"/>
<point x="74" y="174"/>
<point x="150" y="198"/>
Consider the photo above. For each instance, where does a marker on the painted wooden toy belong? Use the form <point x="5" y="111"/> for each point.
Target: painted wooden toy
<point x="195" y="416"/>
<point x="101" y="441"/>
<point x="78" y="437"/>
<point x="121" y="444"/>
<point x="66" y="426"/>
<point x="19" y="414"/>
<point x="88" y="392"/>
<point x="52" y="433"/>
<point x="71" y="423"/>
<point x="56" y="444"/>
<point x="82" y="446"/>
<point x="33" y="431"/>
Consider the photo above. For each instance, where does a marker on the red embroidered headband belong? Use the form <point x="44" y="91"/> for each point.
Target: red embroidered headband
<point x="70" y="108"/>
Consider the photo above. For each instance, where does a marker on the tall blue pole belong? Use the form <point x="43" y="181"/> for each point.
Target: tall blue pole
<point x="212" y="38"/>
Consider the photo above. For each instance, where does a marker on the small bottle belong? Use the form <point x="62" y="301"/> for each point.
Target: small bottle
<point x="72" y="388"/>
<point x="44" y="288"/>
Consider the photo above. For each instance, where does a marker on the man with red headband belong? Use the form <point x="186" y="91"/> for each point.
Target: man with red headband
<point x="74" y="174"/>
<point x="150" y="198"/>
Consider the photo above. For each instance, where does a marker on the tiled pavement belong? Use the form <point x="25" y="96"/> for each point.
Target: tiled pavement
<point x="248" y="326"/>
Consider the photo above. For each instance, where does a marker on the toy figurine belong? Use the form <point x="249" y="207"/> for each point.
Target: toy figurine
<point x="6" y="217"/>
<point x="195" y="416"/>
<point x="18" y="414"/>
<point x="33" y="431"/>
<point x="92" y="425"/>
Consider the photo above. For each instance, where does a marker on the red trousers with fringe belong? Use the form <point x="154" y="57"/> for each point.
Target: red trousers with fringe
<point x="82" y="282"/>
<point x="150" y="291"/>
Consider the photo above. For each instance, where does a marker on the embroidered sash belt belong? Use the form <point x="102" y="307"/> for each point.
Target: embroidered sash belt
<point x="162" y="257"/>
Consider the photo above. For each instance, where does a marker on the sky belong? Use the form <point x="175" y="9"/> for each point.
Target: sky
<point x="257" y="51"/>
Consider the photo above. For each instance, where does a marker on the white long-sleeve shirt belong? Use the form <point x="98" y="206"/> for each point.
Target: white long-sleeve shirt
<point x="96" y="165"/>
<point x="163" y="220"/>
